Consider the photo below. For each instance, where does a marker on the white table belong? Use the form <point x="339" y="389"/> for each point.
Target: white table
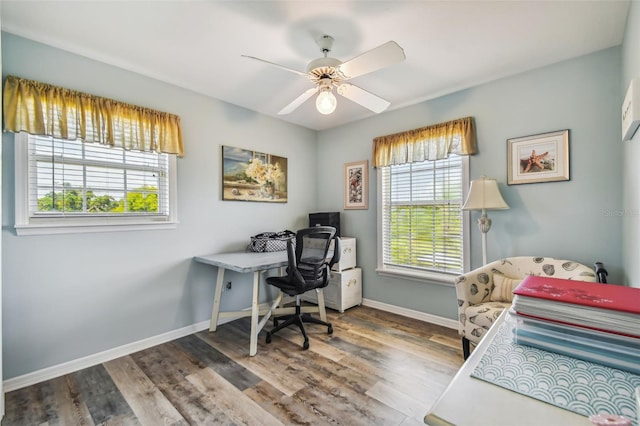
<point x="470" y="401"/>
<point x="257" y="263"/>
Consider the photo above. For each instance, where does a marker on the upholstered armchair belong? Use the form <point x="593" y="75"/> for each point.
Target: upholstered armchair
<point x="485" y="292"/>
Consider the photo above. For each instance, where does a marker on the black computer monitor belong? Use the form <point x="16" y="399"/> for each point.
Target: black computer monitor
<point x="326" y="219"/>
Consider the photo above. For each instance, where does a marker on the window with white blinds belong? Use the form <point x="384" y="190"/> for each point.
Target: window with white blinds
<point x="75" y="184"/>
<point x="422" y="224"/>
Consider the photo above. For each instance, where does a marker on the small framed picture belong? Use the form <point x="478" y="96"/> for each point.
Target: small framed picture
<point x="356" y="185"/>
<point x="538" y="158"/>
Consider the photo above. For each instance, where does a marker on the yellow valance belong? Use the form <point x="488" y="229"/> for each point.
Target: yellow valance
<point x="42" y="109"/>
<point x="427" y="143"/>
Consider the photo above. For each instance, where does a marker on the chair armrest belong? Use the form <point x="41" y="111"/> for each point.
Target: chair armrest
<point x="337" y="250"/>
<point x="473" y="288"/>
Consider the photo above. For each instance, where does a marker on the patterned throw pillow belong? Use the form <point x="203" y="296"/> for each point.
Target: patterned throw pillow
<point x="503" y="290"/>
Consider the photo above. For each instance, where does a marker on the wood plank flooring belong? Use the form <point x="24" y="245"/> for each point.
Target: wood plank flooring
<point x="377" y="368"/>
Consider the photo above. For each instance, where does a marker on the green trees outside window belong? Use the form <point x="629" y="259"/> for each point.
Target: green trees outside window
<point x="436" y="241"/>
<point x="69" y="199"/>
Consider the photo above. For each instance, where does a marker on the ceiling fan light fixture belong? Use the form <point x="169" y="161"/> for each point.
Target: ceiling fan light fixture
<point x="326" y="102"/>
<point x="326" y="72"/>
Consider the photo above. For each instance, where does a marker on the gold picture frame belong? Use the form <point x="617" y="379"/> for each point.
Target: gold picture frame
<point x="538" y="158"/>
<point x="356" y="185"/>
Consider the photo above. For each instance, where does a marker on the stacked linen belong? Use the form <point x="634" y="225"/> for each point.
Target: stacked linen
<point x="594" y="322"/>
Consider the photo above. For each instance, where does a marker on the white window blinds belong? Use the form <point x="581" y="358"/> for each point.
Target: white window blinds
<point x="73" y="179"/>
<point x="422" y="221"/>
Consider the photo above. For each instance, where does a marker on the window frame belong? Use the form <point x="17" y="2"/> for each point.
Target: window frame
<point x="440" y="278"/>
<point x="26" y="225"/>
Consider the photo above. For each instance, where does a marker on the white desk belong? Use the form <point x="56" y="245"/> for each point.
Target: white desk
<point x="470" y="401"/>
<point x="257" y="263"/>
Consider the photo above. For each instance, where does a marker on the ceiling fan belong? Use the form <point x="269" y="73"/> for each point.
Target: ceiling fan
<point x="327" y="73"/>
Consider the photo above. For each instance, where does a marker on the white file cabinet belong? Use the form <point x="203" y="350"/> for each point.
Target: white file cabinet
<point x="347" y="255"/>
<point x="345" y="280"/>
<point x="343" y="291"/>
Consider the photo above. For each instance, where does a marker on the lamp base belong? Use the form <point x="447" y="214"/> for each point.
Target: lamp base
<point x="484" y="223"/>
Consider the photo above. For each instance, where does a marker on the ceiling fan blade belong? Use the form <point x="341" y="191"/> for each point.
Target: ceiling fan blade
<point x="362" y="97"/>
<point x="382" y="56"/>
<point x="276" y="65"/>
<point x="298" y="101"/>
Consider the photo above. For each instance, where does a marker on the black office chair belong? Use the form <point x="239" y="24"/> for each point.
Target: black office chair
<point x="308" y="269"/>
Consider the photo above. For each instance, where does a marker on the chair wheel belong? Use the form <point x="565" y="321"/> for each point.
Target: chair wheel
<point x="305" y="345"/>
<point x="268" y="339"/>
<point x="330" y="330"/>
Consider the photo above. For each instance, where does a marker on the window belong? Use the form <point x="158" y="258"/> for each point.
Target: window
<point x="72" y="186"/>
<point x="97" y="165"/>
<point x="422" y="229"/>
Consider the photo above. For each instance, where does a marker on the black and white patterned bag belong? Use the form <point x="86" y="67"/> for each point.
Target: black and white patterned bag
<point x="271" y="241"/>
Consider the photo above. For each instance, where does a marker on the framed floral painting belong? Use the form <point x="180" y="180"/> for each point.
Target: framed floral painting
<point x="356" y="185"/>
<point x="253" y="176"/>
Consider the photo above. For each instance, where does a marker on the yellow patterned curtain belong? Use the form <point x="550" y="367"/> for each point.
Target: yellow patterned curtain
<point x="42" y="109"/>
<point x="427" y="143"/>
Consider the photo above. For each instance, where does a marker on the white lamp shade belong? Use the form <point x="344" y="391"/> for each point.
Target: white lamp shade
<point x="326" y="102"/>
<point x="484" y="195"/>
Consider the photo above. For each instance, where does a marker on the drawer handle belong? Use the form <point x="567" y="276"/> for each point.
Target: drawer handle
<point x="351" y="282"/>
<point x="346" y="250"/>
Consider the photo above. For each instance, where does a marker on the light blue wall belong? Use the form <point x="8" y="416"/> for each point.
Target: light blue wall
<point x="561" y="219"/>
<point x="631" y="218"/>
<point x="69" y="296"/>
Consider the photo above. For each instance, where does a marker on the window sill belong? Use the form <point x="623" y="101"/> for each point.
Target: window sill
<point x="81" y="228"/>
<point x="428" y="277"/>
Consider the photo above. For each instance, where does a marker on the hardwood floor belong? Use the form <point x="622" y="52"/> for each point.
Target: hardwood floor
<point x="376" y="368"/>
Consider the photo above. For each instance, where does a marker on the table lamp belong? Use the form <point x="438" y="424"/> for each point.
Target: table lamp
<point x="484" y="195"/>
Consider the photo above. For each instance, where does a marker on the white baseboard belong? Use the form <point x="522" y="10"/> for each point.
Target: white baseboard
<point x="98" y="358"/>
<point x="433" y="319"/>
<point x="108" y="355"/>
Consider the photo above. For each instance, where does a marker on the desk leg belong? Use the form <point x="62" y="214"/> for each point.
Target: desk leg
<point x="321" y="309"/>
<point x="255" y="313"/>
<point x="216" y="300"/>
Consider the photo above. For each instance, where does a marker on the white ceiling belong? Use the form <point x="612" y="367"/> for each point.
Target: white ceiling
<point x="449" y="45"/>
